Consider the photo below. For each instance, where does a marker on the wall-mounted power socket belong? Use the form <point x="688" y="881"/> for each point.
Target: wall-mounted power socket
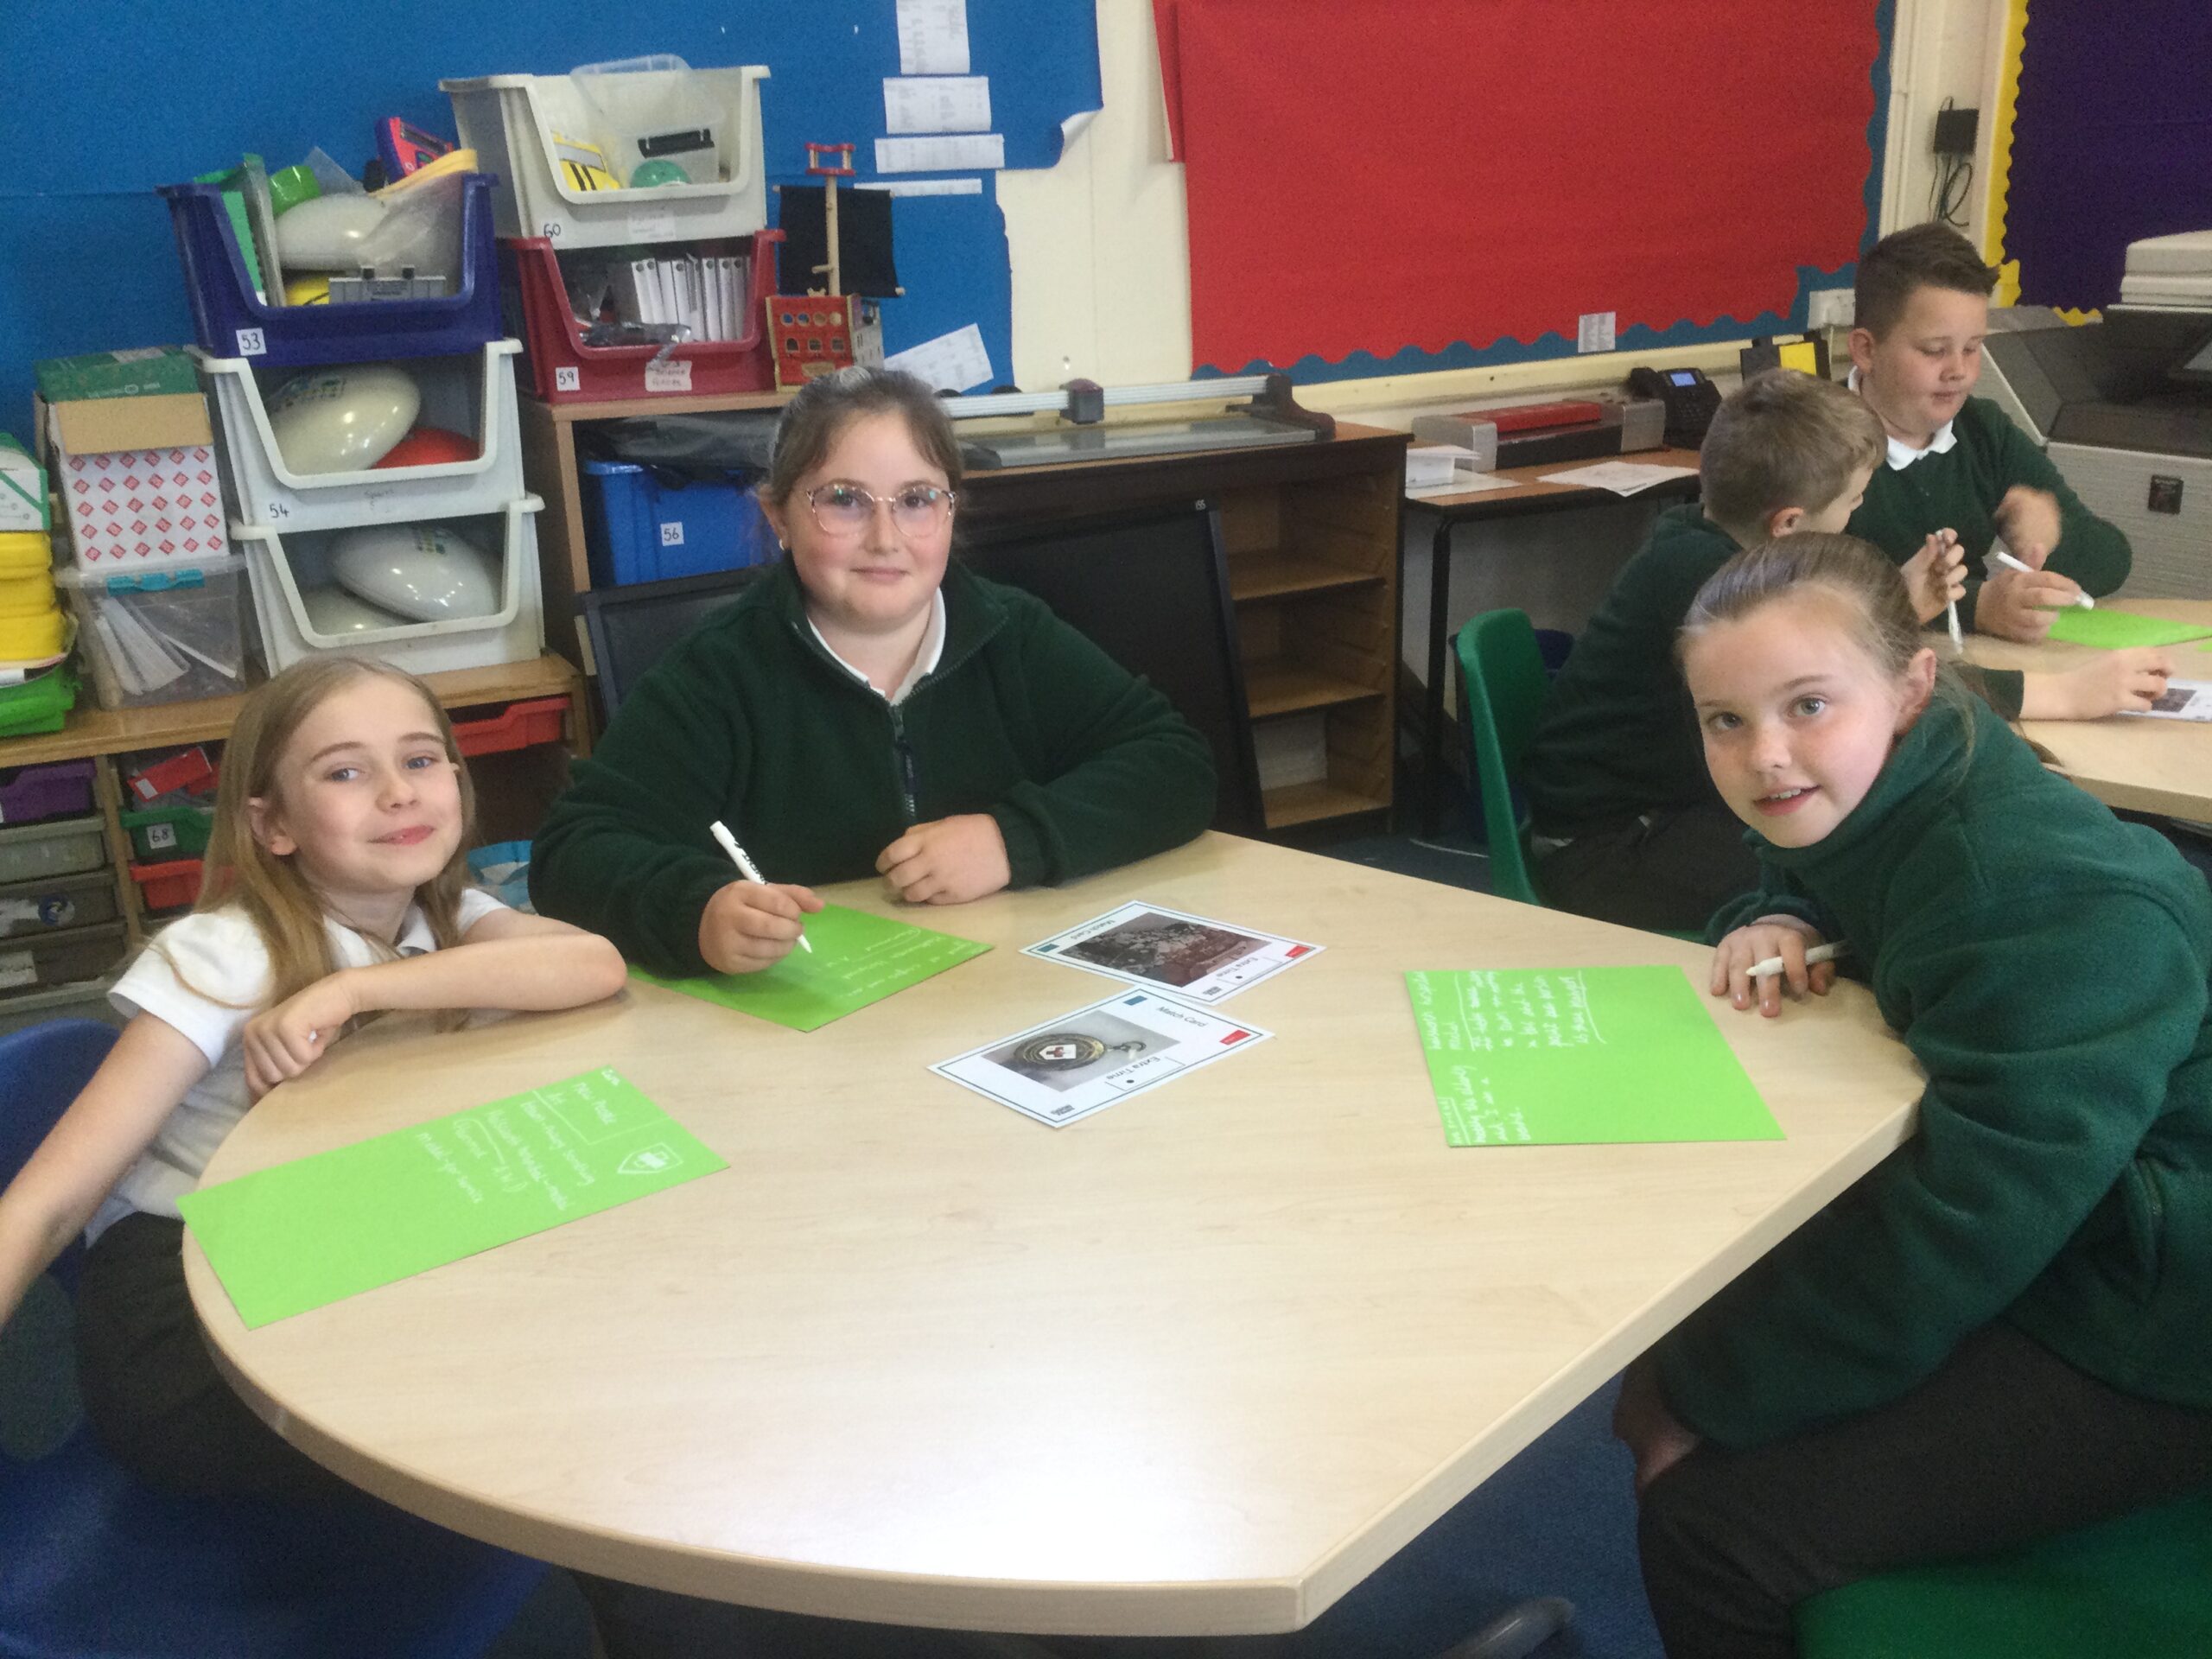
<point x="1829" y="307"/>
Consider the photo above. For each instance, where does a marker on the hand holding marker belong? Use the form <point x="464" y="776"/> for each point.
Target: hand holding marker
<point x="2027" y="569"/>
<point x="745" y="866"/>
<point x="1767" y="966"/>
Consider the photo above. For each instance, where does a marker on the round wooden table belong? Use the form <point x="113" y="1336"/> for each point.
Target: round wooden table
<point x="1197" y="1363"/>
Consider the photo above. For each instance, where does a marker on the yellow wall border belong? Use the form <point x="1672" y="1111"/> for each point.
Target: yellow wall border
<point x="2000" y="150"/>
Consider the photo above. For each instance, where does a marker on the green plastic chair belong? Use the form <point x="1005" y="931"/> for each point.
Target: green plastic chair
<point x="1502" y="690"/>
<point x="2140" y="1587"/>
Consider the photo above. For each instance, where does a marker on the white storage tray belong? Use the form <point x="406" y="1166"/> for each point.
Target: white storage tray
<point x="463" y="394"/>
<point x="510" y="121"/>
<point x="282" y="562"/>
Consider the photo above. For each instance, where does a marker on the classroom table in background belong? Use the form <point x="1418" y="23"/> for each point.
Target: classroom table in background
<point x="1528" y="495"/>
<point x="1197" y="1364"/>
<point x="2144" y="765"/>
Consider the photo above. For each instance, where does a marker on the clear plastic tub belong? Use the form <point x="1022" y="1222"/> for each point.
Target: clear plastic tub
<point x="162" y="636"/>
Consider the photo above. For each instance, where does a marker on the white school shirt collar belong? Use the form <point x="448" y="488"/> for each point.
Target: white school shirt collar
<point x="1902" y="454"/>
<point x="925" y="660"/>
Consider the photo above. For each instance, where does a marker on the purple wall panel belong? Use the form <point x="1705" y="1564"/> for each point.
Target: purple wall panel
<point x="2112" y="140"/>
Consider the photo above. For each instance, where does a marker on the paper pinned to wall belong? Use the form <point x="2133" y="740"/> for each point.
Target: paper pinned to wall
<point x="937" y="104"/>
<point x="924" y="187"/>
<point x="953" y="362"/>
<point x="932" y="37"/>
<point x="949" y="153"/>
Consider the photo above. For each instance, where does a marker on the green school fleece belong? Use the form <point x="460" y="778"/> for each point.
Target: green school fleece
<point x="2047" y="965"/>
<point x="751" y="721"/>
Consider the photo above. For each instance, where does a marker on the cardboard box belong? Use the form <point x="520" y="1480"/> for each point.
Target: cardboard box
<point x="130" y="448"/>
<point x="22" y="489"/>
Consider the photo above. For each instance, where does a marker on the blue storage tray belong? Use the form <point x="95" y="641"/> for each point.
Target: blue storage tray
<point x="640" y="528"/>
<point x="232" y="321"/>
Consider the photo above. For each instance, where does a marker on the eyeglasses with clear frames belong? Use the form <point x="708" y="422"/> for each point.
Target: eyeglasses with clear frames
<point x="846" y="509"/>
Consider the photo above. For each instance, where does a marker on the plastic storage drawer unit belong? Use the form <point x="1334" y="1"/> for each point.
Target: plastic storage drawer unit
<point x="638" y="527"/>
<point x="60" y="790"/>
<point x="286" y="566"/>
<point x="162" y="636"/>
<point x="232" y="320"/>
<point x="170" y="885"/>
<point x="517" y="125"/>
<point x="32" y="852"/>
<point x="60" y="957"/>
<point x="472" y="394"/>
<point x="42" y="906"/>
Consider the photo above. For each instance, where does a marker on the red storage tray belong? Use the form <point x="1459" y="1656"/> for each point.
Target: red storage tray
<point x="518" y="726"/>
<point x="169" y="885"/>
<point x="563" y="369"/>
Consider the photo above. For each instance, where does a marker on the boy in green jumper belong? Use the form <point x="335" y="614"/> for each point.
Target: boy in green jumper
<point x="1626" y="825"/>
<point x="1955" y="462"/>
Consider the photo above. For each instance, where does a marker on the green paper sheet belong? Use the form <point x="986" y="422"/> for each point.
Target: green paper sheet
<point x="296" y="1236"/>
<point x="858" y="959"/>
<point x="1580" y="1055"/>
<point x="2117" y="629"/>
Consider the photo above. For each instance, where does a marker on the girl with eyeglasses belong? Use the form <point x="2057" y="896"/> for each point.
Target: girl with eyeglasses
<point x="866" y="707"/>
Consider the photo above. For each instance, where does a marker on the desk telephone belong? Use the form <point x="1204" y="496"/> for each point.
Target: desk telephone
<point x="1690" y="400"/>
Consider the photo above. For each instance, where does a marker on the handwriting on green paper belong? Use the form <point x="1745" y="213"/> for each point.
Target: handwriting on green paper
<point x="2119" y="630"/>
<point x="299" y="1234"/>
<point x="1580" y="1055"/>
<point x="858" y="958"/>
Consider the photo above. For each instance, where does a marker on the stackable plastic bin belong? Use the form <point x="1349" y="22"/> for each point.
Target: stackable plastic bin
<point x="57" y="901"/>
<point x="39" y="960"/>
<point x="33" y="852"/>
<point x="640" y="528"/>
<point x="283" y="564"/>
<point x="177" y="831"/>
<point x="473" y="394"/>
<point x="563" y="369"/>
<point x="510" y="121"/>
<point x="189" y="618"/>
<point x="232" y="320"/>
<point x="60" y="789"/>
<point x="521" y="725"/>
<point x="170" y="885"/>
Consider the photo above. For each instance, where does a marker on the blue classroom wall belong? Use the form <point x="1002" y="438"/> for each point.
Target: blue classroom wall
<point x="101" y="100"/>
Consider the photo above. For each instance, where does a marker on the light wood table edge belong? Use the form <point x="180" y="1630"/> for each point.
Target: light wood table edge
<point x="1048" y="1607"/>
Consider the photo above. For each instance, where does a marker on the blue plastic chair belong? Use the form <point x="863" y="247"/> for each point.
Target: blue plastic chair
<point x="93" y="1562"/>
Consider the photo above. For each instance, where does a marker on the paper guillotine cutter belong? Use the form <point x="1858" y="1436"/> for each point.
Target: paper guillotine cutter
<point x="1083" y="433"/>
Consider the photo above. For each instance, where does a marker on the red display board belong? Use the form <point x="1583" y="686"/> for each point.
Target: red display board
<point x="1424" y="172"/>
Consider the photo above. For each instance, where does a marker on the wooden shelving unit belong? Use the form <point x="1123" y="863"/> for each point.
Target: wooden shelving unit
<point x="106" y="733"/>
<point x="1311" y="530"/>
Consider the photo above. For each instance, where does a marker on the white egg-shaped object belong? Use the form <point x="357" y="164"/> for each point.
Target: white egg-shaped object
<point x="333" y="611"/>
<point x="343" y="419"/>
<point x="327" y="232"/>
<point x="429" y="572"/>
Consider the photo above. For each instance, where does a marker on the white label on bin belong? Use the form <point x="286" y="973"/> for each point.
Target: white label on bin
<point x="652" y="224"/>
<point x="250" y="343"/>
<point x="671" y="533"/>
<point x="674" y="375"/>
<point x="17" y="968"/>
<point x="568" y="379"/>
<point x="161" y="836"/>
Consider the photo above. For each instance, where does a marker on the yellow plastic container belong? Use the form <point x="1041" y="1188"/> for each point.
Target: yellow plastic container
<point x="28" y="595"/>
<point x="25" y="552"/>
<point x="30" y="639"/>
